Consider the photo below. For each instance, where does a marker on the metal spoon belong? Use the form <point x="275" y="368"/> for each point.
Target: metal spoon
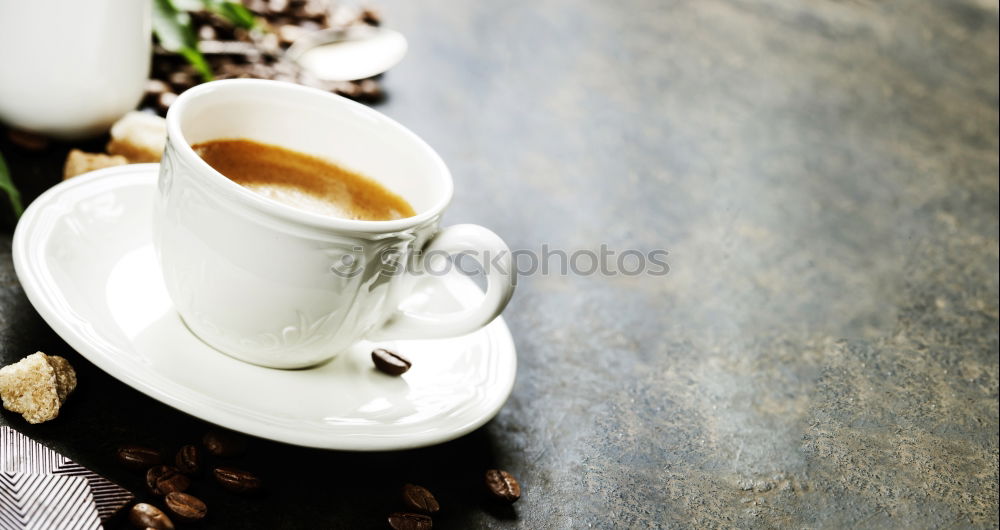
<point x="348" y="54"/>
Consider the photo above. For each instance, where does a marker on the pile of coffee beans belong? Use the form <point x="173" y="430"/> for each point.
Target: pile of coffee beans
<point x="170" y="480"/>
<point x="234" y="52"/>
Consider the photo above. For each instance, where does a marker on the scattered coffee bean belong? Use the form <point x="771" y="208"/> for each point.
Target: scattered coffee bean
<point x="181" y="80"/>
<point x="228" y="47"/>
<point x="338" y="15"/>
<point x="348" y="89"/>
<point x="139" y="458"/>
<point x="289" y="33"/>
<point x="502" y="485"/>
<point x="420" y="499"/>
<point x="166" y="99"/>
<point x="188" y="459"/>
<point x="155" y="86"/>
<point x="311" y="25"/>
<point x="269" y="43"/>
<point x="223" y="443"/>
<point x="187" y="508"/>
<point x="278" y="6"/>
<point x="27" y="140"/>
<point x="237" y="480"/>
<point x="144" y="515"/>
<point x="207" y="32"/>
<point x="390" y="362"/>
<point x="369" y="90"/>
<point x="410" y="521"/>
<point x="162" y="480"/>
<point x="370" y="16"/>
<point x="241" y="34"/>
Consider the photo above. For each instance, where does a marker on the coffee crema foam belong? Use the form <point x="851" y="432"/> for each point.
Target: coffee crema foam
<point x="303" y="181"/>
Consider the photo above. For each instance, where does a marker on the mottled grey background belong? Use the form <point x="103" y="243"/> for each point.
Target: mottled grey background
<point x="823" y="353"/>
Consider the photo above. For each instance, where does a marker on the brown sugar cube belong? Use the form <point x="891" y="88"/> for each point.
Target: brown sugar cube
<point x="37" y="386"/>
<point x="139" y="136"/>
<point x="65" y="376"/>
<point x="78" y="162"/>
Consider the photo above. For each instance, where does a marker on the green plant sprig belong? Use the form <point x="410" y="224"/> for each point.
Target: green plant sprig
<point x="7" y="185"/>
<point x="173" y="28"/>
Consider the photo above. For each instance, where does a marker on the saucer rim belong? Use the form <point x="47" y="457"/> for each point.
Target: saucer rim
<point x="41" y="298"/>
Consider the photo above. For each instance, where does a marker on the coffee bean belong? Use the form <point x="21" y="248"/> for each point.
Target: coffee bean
<point x="369" y="90"/>
<point x="370" y="16"/>
<point x="269" y="44"/>
<point x="188" y="459"/>
<point x="139" y="458"/>
<point x="347" y="89"/>
<point x="420" y="499"/>
<point x="207" y="32"/>
<point x="310" y="25"/>
<point x="164" y="100"/>
<point x="27" y="140"/>
<point x="289" y="33"/>
<point x="187" y="508"/>
<point x="223" y="443"/>
<point x="502" y="485"/>
<point x="277" y="6"/>
<point x="242" y="35"/>
<point x="316" y="8"/>
<point x="237" y="480"/>
<point x="181" y="80"/>
<point x="156" y="86"/>
<point x="144" y="515"/>
<point x="390" y="362"/>
<point x="162" y="480"/>
<point x="261" y="71"/>
<point x="410" y="521"/>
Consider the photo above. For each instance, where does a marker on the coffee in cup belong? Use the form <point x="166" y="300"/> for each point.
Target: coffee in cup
<point x="303" y="181"/>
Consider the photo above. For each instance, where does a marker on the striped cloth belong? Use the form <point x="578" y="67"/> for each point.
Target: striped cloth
<point x="46" y="502"/>
<point x="20" y="454"/>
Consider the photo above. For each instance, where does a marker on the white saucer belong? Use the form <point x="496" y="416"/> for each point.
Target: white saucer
<point x="84" y="255"/>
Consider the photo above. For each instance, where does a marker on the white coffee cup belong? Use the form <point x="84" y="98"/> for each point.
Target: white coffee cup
<point x="265" y="282"/>
<point x="70" y="68"/>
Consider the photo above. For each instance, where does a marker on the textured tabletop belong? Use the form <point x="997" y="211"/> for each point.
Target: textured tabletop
<point x="823" y="350"/>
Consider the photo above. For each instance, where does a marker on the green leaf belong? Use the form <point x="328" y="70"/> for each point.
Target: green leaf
<point x="7" y="185"/>
<point x="234" y="12"/>
<point x="172" y="26"/>
<point x="189" y="5"/>
<point x="173" y="29"/>
<point x="198" y="61"/>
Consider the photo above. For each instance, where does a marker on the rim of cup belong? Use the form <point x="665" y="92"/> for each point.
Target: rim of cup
<point x="175" y="137"/>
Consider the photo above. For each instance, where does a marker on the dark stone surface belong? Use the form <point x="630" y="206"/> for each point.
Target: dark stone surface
<point x="823" y="352"/>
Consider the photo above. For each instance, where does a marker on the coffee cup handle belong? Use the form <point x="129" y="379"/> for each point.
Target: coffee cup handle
<point x="455" y="239"/>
